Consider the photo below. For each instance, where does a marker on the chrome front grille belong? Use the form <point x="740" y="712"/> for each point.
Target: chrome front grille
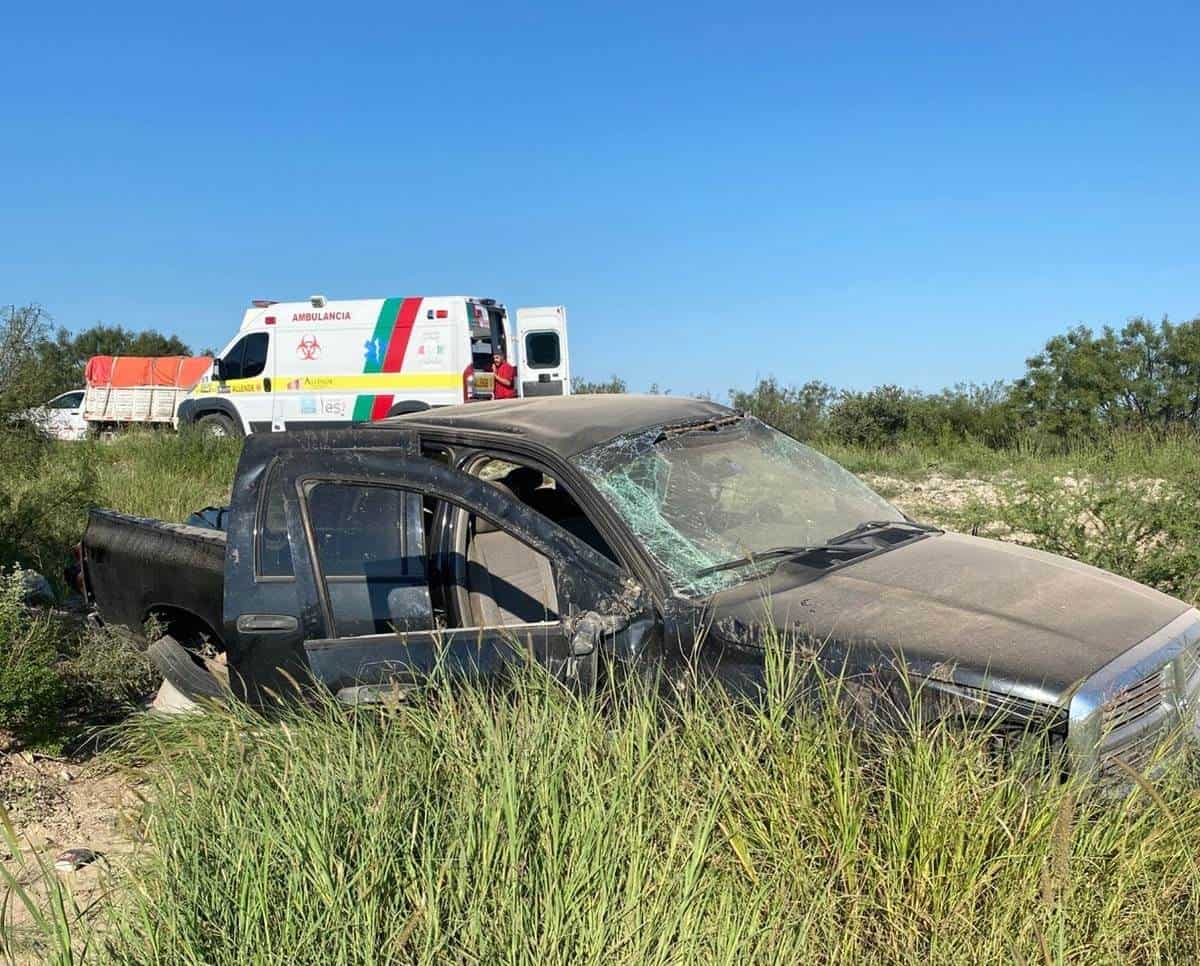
<point x="1137" y="701"/>
<point x="1120" y="716"/>
<point x="1136" y="755"/>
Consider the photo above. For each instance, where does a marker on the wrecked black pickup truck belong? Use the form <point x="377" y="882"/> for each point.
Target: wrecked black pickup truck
<point x="644" y="532"/>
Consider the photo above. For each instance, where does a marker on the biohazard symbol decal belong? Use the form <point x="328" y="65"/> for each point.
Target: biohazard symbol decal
<point x="308" y="348"/>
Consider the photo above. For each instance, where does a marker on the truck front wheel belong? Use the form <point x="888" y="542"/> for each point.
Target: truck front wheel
<point x="217" y="424"/>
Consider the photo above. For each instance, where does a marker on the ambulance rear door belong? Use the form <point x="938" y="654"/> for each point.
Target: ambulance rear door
<point x="543" y="363"/>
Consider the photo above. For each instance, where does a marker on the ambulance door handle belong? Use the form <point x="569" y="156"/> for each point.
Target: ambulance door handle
<point x="267" y="384"/>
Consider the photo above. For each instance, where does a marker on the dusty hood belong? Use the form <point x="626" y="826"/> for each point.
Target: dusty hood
<point x="1033" y="620"/>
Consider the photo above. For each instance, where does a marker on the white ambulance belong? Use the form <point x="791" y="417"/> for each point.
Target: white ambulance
<point x="326" y="363"/>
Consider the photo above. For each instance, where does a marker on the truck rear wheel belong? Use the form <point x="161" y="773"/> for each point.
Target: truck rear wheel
<point x="217" y="424"/>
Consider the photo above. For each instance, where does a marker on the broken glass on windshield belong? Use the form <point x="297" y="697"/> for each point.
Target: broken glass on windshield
<point x="701" y="496"/>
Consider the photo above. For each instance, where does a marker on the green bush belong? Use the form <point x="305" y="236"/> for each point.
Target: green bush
<point x="586" y="387"/>
<point x="32" y="689"/>
<point x="1147" y="530"/>
<point x="798" y="411"/>
<point x="45" y="491"/>
<point x="886" y="416"/>
<point x="879" y="417"/>
<point x="107" y="671"/>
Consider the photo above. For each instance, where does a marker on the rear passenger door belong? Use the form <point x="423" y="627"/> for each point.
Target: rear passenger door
<point x="358" y="530"/>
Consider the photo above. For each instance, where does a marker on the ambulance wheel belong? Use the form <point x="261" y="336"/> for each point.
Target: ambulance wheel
<point x="408" y="406"/>
<point x="217" y="424"/>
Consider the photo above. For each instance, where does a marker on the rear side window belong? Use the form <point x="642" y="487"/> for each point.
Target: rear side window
<point x="370" y="545"/>
<point x="248" y="358"/>
<point x="541" y="350"/>
<point x="273" y="550"/>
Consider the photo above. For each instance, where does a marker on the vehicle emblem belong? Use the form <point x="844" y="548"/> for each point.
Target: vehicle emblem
<point x="308" y="348"/>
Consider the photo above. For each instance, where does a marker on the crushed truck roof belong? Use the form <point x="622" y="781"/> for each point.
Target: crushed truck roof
<point x="568" y="425"/>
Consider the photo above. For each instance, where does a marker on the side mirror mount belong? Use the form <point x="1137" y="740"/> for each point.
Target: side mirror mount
<point x="591" y="629"/>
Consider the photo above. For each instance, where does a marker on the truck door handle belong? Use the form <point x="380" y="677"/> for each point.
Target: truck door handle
<point x="267" y="624"/>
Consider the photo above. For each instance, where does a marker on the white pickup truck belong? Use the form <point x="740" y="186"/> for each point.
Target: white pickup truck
<point x="62" y="416"/>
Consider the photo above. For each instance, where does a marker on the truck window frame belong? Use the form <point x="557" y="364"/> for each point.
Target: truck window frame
<point x="58" y="403"/>
<point x="328" y="574"/>
<point x="533" y="529"/>
<point x="271" y="485"/>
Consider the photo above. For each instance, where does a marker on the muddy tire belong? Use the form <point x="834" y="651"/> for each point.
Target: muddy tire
<point x="218" y="425"/>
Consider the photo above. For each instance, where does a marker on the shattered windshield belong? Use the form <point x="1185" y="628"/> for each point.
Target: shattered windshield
<point x="702" y="496"/>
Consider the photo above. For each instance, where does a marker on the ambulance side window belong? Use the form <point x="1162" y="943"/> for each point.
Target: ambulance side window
<point x="248" y="357"/>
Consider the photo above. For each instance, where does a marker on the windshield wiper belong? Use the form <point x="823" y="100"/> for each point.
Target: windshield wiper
<point x="872" y="525"/>
<point x="776" y="552"/>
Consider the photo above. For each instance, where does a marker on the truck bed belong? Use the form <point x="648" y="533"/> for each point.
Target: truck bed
<point x="134" y="404"/>
<point x="136" y="568"/>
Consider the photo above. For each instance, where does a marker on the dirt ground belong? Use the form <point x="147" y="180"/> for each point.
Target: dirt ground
<point x="55" y="804"/>
<point x="934" y="499"/>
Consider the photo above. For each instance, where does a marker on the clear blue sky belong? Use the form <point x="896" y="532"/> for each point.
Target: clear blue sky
<point x="918" y="194"/>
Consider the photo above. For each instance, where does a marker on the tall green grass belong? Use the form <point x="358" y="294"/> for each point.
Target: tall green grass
<point x="531" y="826"/>
<point x="46" y="488"/>
<point x="165" y="476"/>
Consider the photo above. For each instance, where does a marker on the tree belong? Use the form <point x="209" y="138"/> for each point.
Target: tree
<point x="797" y="411"/>
<point x="23" y="330"/>
<point x="1143" y="376"/>
<point x="62" y="359"/>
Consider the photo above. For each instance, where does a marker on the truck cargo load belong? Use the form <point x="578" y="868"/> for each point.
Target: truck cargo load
<point x="122" y="390"/>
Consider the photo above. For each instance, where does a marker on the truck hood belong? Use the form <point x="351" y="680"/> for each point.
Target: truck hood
<point x="1027" y="622"/>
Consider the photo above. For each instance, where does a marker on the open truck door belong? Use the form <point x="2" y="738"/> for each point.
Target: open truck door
<point x="371" y="619"/>
<point x="543" y="361"/>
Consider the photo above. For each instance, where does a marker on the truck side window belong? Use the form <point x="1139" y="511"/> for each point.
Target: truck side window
<point x="547" y="496"/>
<point x="70" y="400"/>
<point x="248" y="357"/>
<point x="274" y="551"/>
<point x="370" y="545"/>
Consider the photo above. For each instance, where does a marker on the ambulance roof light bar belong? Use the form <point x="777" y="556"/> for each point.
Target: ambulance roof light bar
<point x="318" y="301"/>
<point x="262" y="303"/>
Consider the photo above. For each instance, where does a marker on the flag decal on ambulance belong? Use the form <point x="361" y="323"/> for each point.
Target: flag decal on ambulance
<point x="385" y="352"/>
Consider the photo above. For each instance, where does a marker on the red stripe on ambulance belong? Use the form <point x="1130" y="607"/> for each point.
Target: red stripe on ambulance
<point x="380" y="407"/>
<point x="398" y="343"/>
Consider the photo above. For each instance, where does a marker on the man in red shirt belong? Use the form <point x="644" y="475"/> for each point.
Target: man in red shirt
<point x="505" y="378"/>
